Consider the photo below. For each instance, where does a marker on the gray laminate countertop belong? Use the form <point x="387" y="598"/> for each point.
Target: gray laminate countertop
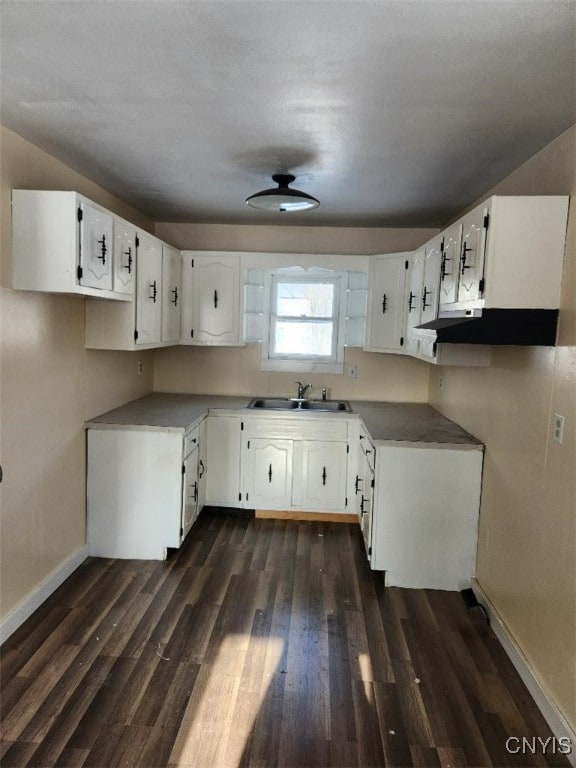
<point x="407" y="423"/>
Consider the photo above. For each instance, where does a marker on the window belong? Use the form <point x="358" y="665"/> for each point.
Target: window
<point x="305" y="325"/>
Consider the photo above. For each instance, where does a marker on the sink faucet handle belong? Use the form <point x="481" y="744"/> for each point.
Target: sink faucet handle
<point x="302" y="389"/>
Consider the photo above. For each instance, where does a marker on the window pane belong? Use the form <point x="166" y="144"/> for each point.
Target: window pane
<point x="302" y="338"/>
<point x="304" y="299"/>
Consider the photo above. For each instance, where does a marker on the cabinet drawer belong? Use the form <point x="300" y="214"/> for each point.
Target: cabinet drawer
<point x="191" y="440"/>
<point x="298" y="429"/>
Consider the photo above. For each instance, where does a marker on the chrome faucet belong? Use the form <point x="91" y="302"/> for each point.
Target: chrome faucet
<point x="302" y="389"/>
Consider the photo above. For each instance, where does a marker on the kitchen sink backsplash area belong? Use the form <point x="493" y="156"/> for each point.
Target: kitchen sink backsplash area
<point x="236" y="371"/>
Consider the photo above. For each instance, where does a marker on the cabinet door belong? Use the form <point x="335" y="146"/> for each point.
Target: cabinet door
<point x="149" y="297"/>
<point x="269" y="473"/>
<point x="386" y="307"/>
<point x="171" y="293"/>
<point x="323" y="476"/>
<point x="202" y="464"/>
<point x="430" y="292"/>
<point x="414" y="303"/>
<point x="190" y="492"/>
<point x="472" y="254"/>
<point x="366" y="504"/>
<point x="450" y="264"/>
<point x="216" y="300"/>
<point x="124" y="256"/>
<point x="223" y="459"/>
<point x="96" y="247"/>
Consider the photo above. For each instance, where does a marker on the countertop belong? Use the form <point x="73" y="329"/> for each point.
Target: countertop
<point x="387" y="423"/>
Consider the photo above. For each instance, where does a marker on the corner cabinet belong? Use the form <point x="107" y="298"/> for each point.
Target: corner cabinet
<point x="65" y="243"/>
<point x="211" y="299"/>
<point x="386" y="309"/>
<point x="153" y="318"/>
<point x="143" y="491"/>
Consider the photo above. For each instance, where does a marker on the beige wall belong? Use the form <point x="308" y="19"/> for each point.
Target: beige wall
<point x="49" y="384"/>
<point x="237" y="371"/>
<point x="527" y="547"/>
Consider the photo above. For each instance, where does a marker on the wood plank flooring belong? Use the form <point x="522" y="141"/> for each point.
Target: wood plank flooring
<point x="259" y="643"/>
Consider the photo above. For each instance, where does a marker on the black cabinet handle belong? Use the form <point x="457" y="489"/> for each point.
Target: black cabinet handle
<point x="154" y="291"/>
<point x="357" y="483"/>
<point x="103" y="250"/>
<point x="410" y="300"/>
<point x="215" y="299"/>
<point x="202" y="469"/>
<point x="424" y="295"/>
<point x="362" y="500"/>
<point x="323" y="475"/>
<point x="175" y="299"/>
<point x="270" y="473"/>
<point x="443" y="267"/>
<point x="384" y="303"/>
<point x="128" y="264"/>
<point x="465" y="250"/>
<point x="195" y="486"/>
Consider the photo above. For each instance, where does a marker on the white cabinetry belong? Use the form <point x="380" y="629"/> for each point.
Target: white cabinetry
<point x="63" y="243"/>
<point x="223" y="460"/>
<point x="295" y="464"/>
<point x="125" y="242"/>
<point x="425" y="518"/>
<point x="385" y="321"/>
<point x="511" y="255"/>
<point x="191" y="504"/>
<point x="153" y="318"/>
<point x="141" y="494"/>
<point x="414" y="302"/>
<point x="211" y="301"/>
<point x="364" y="489"/>
<point x="171" y="294"/>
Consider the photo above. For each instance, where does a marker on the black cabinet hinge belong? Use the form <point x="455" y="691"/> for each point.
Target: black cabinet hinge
<point x="80" y="272"/>
<point x="80" y="214"/>
<point x="239" y="497"/>
<point x="192" y="333"/>
<point x="401" y="341"/>
<point x="442" y="246"/>
<point x="481" y="286"/>
<point x="248" y="444"/>
<point x="246" y="497"/>
<point x="434" y="347"/>
<point x="192" y="263"/>
<point x="369" y="550"/>
<point x="347" y="448"/>
<point x="346" y="501"/>
<point x="137" y="241"/>
<point x="372" y="483"/>
<point x="241" y="426"/>
<point x="135" y="335"/>
<point x="486" y="221"/>
<point x="406" y="263"/>
<point x="181" y="531"/>
<point x="183" y="469"/>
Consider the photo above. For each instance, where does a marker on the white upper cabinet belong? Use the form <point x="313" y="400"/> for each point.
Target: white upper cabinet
<point x="171" y="293"/>
<point x="63" y="243"/>
<point x="431" y="284"/>
<point x="125" y="243"/>
<point x="149" y="299"/>
<point x="414" y="301"/>
<point x="153" y="318"/>
<point x="96" y="246"/>
<point x="211" y="308"/>
<point x="385" y="321"/>
<point x="450" y="266"/>
<point x="511" y="255"/>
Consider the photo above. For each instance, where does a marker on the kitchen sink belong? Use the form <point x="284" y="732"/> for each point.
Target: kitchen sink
<point x="293" y="404"/>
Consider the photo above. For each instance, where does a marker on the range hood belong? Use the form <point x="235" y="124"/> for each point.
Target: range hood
<point x="519" y="327"/>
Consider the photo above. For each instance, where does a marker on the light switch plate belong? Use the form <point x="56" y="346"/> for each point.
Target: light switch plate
<point x="558" y="428"/>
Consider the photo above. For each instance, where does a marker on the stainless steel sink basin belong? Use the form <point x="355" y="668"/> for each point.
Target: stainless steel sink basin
<point x="287" y="404"/>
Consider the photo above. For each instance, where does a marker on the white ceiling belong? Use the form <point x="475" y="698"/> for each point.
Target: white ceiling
<point x="391" y="112"/>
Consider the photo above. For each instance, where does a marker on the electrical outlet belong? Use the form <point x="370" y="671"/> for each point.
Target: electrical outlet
<point x="558" y="428"/>
<point x="140" y="367"/>
<point x="352" y="371"/>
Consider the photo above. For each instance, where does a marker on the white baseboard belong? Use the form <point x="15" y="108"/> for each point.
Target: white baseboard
<point x="18" y="615"/>
<point x="559" y="726"/>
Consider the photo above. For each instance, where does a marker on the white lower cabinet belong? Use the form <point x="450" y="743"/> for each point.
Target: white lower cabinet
<point x="142" y="491"/>
<point x="223" y="438"/>
<point x="295" y="464"/>
<point x="425" y="516"/>
<point x="364" y="489"/>
<point x="268" y="473"/>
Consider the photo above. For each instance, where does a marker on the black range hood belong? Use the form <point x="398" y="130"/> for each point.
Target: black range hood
<point x="519" y="327"/>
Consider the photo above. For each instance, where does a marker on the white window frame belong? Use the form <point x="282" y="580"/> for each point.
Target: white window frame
<point x="305" y="363"/>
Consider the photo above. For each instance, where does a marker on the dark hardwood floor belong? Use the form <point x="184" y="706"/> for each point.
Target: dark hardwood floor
<point x="259" y="643"/>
